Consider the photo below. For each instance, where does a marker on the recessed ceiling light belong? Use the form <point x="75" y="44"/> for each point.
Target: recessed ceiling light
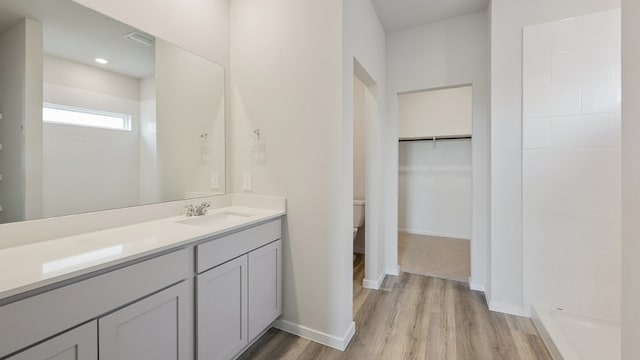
<point x="102" y="61"/>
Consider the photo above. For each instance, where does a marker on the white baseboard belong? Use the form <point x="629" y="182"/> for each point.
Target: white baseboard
<point x="476" y="286"/>
<point x="335" y="342"/>
<point x="507" y="308"/>
<point x="394" y="272"/>
<point x="430" y="233"/>
<point x="374" y="284"/>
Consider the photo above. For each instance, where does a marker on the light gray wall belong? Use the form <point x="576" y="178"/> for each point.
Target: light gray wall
<point x="451" y="52"/>
<point x="286" y="80"/>
<point x="12" y="157"/>
<point x="21" y="127"/>
<point x="435" y="188"/>
<point x="359" y="140"/>
<point x="630" y="179"/>
<point x="507" y="20"/>
<point x="33" y="119"/>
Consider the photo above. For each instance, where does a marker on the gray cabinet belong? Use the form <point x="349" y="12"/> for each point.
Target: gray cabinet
<point x="33" y="319"/>
<point x="265" y="299"/>
<point x="80" y="343"/>
<point x="154" y="328"/>
<point x="237" y="301"/>
<point x="222" y="310"/>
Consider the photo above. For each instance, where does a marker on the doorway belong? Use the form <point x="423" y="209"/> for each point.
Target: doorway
<point x="435" y="182"/>
<point x="367" y="187"/>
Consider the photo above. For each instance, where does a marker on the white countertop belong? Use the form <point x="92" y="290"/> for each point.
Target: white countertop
<point x="28" y="267"/>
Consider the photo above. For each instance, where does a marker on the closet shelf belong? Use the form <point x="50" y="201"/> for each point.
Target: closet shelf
<point x="436" y="138"/>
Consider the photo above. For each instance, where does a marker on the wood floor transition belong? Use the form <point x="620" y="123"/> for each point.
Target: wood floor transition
<point x="416" y="317"/>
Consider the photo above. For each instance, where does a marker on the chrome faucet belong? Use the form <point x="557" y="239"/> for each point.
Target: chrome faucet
<point x="199" y="210"/>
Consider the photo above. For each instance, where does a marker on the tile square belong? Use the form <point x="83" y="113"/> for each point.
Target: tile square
<point x="536" y="70"/>
<point x="554" y="100"/>
<point x="601" y="28"/>
<point x="536" y="132"/>
<point x="552" y="37"/>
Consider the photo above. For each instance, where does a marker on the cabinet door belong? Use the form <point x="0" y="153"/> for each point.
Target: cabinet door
<point x="222" y="310"/>
<point x="80" y="343"/>
<point x="265" y="287"/>
<point x="154" y="328"/>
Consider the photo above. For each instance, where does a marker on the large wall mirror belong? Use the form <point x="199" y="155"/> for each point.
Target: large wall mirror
<point x="98" y="115"/>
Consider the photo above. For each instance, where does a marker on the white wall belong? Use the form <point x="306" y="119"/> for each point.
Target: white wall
<point x="286" y="80"/>
<point x="630" y="179"/>
<point x="447" y="53"/>
<point x="190" y="105"/>
<point x="149" y="177"/>
<point x="84" y="168"/>
<point x="365" y="111"/>
<point x="507" y="20"/>
<point x="364" y="55"/>
<point x="435" y="112"/>
<point x="571" y="165"/>
<point x="435" y="188"/>
<point x="359" y="139"/>
<point x="21" y="106"/>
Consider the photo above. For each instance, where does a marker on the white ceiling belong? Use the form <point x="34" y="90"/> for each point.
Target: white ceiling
<point x="402" y="14"/>
<point x="74" y="32"/>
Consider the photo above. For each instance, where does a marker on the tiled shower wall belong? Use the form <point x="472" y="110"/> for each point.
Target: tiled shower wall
<point x="572" y="165"/>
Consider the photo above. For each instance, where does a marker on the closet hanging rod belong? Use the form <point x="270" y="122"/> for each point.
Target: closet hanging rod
<point x="437" y="138"/>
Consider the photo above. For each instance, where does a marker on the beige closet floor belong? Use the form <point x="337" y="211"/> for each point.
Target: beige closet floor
<point x="440" y="257"/>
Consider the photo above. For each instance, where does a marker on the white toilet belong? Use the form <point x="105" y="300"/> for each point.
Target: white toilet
<point x="358" y="216"/>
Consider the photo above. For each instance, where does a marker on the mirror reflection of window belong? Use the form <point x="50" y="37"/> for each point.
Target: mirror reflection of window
<point x="70" y="115"/>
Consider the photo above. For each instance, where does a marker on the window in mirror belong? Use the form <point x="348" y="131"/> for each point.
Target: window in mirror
<point x="69" y="115"/>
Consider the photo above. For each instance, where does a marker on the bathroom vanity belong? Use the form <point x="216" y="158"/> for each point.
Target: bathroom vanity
<point x="175" y="288"/>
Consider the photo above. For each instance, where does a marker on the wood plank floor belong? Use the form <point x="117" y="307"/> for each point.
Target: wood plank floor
<point x="416" y="317"/>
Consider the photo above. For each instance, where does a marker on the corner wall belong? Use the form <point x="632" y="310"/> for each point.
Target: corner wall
<point x="630" y="179"/>
<point x="21" y="106"/>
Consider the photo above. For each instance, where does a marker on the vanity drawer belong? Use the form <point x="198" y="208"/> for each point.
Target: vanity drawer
<point x="223" y="249"/>
<point x="28" y="321"/>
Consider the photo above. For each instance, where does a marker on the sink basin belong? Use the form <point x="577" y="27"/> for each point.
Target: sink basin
<point x="216" y="218"/>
